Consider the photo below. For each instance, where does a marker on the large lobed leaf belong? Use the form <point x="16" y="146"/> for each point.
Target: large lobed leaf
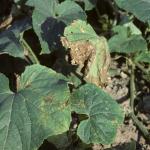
<point x="50" y="18"/>
<point x="104" y="114"/>
<point x="140" y="8"/>
<point x="36" y="111"/>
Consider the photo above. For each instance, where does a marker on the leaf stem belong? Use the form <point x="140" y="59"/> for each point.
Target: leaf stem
<point x="25" y="44"/>
<point x="132" y="87"/>
<point x="139" y="124"/>
<point x="30" y="50"/>
<point x="142" y="68"/>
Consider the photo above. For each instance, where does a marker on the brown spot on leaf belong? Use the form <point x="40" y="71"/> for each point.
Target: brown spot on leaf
<point x="48" y="99"/>
<point x="80" y="51"/>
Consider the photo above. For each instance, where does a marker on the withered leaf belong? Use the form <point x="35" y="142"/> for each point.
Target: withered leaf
<point x="90" y="54"/>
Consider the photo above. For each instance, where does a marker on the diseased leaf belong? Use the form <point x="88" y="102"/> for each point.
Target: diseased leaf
<point x="50" y="18"/>
<point x="104" y="114"/>
<point x="140" y="8"/>
<point x="97" y="69"/>
<point x="127" y="40"/>
<point x="79" y="30"/>
<point x="88" y="51"/>
<point x="36" y="111"/>
<point x="9" y="39"/>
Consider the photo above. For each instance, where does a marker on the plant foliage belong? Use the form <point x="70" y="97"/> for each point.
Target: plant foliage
<point x="36" y="111"/>
<point x="102" y="112"/>
<point x="40" y="102"/>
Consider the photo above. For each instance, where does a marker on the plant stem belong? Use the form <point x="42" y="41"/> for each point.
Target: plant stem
<point x="142" y="68"/>
<point x="132" y="87"/>
<point x="25" y="44"/>
<point x="139" y="124"/>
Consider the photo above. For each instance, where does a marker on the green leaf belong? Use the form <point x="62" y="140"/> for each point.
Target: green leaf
<point x="79" y="30"/>
<point x="60" y="141"/>
<point x="89" y="4"/>
<point x="132" y="28"/>
<point x="140" y="8"/>
<point x="104" y="114"/>
<point x="43" y="8"/>
<point x="36" y="111"/>
<point x="127" y="39"/>
<point x="143" y="57"/>
<point x="10" y="38"/>
<point x="50" y="18"/>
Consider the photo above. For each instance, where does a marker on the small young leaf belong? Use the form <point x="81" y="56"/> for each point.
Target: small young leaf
<point x="127" y="40"/>
<point x="36" y="111"/>
<point x="104" y="114"/>
<point x="143" y="57"/>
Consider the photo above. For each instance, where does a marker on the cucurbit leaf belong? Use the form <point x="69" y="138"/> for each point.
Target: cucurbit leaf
<point x="50" y="18"/>
<point x="103" y="113"/>
<point x="36" y="111"/>
<point x="126" y="40"/>
<point x="140" y="8"/>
